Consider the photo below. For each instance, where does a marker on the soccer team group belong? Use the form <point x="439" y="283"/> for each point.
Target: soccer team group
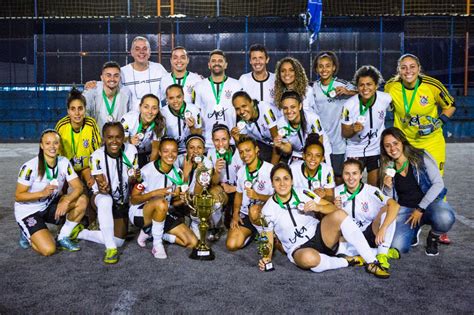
<point x="137" y="144"/>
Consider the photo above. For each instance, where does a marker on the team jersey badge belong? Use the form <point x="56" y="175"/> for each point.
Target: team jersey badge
<point x="423" y="100"/>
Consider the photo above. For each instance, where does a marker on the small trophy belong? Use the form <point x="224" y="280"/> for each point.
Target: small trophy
<point x="264" y="246"/>
<point x="202" y="206"/>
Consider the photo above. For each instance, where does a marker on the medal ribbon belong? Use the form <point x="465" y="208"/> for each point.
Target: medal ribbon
<point x="405" y="100"/>
<point x="74" y="148"/>
<point x="110" y="109"/>
<point x="405" y="164"/>
<point x="48" y="173"/>
<point x="227" y="156"/>
<point x="329" y="87"/>
<point x="217" y="95"/>
<point x="178" y="181"/>
<point x="363" y="108"/>
<point x="293" y="195"/>
<point x="354" y="194"/>
<point x="126" y="161"/>
<point x="183" y="78"/>
<point x="251" y="178"/>
<point x="140" y="126"/>
<point x="289" y="129"/>
<point x="180" y="114"/>
<point x="318" y="174"/>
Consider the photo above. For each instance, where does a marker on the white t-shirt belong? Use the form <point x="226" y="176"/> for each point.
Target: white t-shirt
<point x="297" y="138"/>
<point x="365" y="206"/>
<point x="229" y="173"/>
<point x="292" y="226"/>
<point x="259" y="90"/>
<point x="329" y="110"/>
<point x="266" y="120"/>
<point x="130" y="122"/>
<point x="188" y="87"/>
<point x="324" y="178"/>
<point x="28" y="176"/>
<point x="118" y="182"/>
<point x="142" y="82"/>
<point x="367" y="141"/>
<point x="262" y="184"/>
<point x="97" y="109"/>
<point x="176" y="126"/>
<point x="223" y="113"/>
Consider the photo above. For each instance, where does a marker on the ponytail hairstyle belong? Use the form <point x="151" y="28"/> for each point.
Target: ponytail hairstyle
<point x="75" y="94"/>
<point x="294" y="95"/>
<point x="160" y="123"/>
<point x="41" y="159"/>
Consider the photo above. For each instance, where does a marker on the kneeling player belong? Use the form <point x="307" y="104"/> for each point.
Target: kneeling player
<point x="151" y="202"/>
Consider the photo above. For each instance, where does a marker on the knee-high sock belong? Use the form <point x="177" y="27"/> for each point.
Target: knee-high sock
<point x="390" y="232"/>
<point x="170" y="238"/>
<point x="106" y="219"/>
<point x="157" y="232"/>
<point x="354" y="236"/>
<point x="328" y="263"/>
<point x="66" y="229"/>
<point x="97" y="237"/>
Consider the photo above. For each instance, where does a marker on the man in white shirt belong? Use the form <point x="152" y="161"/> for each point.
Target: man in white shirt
<point x="259" y="84"/>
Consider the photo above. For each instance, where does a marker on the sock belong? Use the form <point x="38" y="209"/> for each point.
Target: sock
<point x="66" y="229"/>
<point x="157" y="232"/>
<point x="97" y="237"/>
<point x="328" y="263"/>
<point x="106" y="219"/>
<point x="354" y="236"/>
<point x="385" y="246"/>
<point x="170" y="238"/>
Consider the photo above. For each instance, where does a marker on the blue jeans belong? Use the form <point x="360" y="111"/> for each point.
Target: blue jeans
<point x="439" y="215"/>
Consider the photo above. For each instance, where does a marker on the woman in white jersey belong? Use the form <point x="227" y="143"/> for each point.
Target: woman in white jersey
<point x="310" y="243"/>
<point x="145" y="128"/>
<point x="312" y="173"/>
<point x="115" y="168"/>
<point x="373" y="212"/>
<point x="295" y="125"/>
<point x="330" y="93"/>
<point x="39" y="199"/>
<point x="363" y="120"/>
<point x="153" y="200"/>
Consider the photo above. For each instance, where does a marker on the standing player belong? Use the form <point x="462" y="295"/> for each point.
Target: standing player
<point x="38" y="198"/>
<point x="253" y="189"/>
<point x="214" y="96"/>
<point x="180" y="75"/>
<point x="363" y="120"/>
<point x="416" y="100"/>
<point x="182" y="118"/>
<point x="107" y="101"/>
<point x="330" y="93"/>
<point x="259" y="84"/>
<point x="258" y="120"/>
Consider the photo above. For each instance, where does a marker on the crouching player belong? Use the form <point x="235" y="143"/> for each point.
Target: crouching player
<point x="152" y="201"/>
<point x="371" y="210"/>
<point x="308" y="242"/>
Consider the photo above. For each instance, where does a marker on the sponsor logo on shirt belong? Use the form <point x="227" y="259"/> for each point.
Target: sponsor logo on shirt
<point x="31" y="221"/>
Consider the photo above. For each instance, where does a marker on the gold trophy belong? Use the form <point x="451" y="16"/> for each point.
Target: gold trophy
<point x="202" y="206"/>
<point x="263" y="245"/>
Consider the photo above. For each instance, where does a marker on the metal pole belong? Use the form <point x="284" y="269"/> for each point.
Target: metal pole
<point x="381" y="45"/>
<point x="466" y="52"/>
<point x="128" y="7"/>
<point x="450" y="55"/>
<point x="108" y="37"/>
<point x="44" y="55"/>
<point x="246" y="44"/>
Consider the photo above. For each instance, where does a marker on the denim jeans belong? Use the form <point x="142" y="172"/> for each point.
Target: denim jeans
<point x="439" y="215"/>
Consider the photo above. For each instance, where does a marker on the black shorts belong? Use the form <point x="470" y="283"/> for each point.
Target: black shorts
<point x="370" y="236"/>
<point x="120" y="211"/>
<point x="317" y="243"/>
<point x="247" y="224"/>
<point x="337" y="161"/>
<point x="265" y="152"/>
<point x="370" y="162"/>
<point x="171" y="221"/>
<point x="37" y="221"/>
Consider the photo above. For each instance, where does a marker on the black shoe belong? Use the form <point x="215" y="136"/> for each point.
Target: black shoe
<point x="432" y="245"/>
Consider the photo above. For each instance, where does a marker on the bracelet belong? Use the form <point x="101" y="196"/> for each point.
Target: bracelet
<point x="444" y="119"/>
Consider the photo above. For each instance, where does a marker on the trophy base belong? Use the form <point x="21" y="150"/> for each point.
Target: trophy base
<point x="269" y="267"/>
<point x="199" y="254"/>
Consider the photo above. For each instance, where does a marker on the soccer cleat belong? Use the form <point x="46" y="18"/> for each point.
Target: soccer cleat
<point x="416" y="238"/>
<point x="393" y="253"/>
<point x="75" y="232"/>
<point x="142" y="238"/>
<point x="24" y="243"/>
<point x="377" y="270"/>
<point x="383" y="260"/>
<point x="444" y="239"/>
<point x="159" y="251"/>
<point x="432" y="245"/>
<point x="354" y="260"/>
<point x="111" y="256"/>
<point x="66" y="244"/>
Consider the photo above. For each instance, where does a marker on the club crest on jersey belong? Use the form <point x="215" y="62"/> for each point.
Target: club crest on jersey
<point x="381" y="115"/>
<point x="85" y="143"/>
<point x="423" y="100"/>
<point x="272" y="93"/>
<point x="228" y="94"/>
<point x="189" y="89"/>
<point x="31" y="222"/>
<point x="261" y="185"/>
<point x="365" y="206"/>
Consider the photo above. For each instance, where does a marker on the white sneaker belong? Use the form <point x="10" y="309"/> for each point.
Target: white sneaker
<point x="141" y="239"/>
<point x="159" y="251"/>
